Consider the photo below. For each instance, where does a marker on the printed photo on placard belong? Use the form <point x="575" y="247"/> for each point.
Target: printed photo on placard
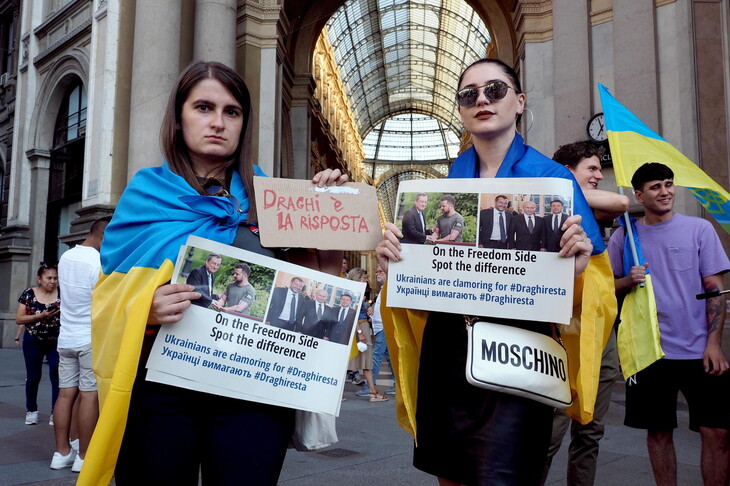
<point x="437" y="217"/>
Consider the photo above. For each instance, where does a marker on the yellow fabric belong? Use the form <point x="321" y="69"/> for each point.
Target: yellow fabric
<point x="119" y="310"/>
<point x="638" y="339"/>
<point x="594" y="301"/>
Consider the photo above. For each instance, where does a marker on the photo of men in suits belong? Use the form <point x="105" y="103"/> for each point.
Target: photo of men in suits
<point x="339" y="329"/>
<point x="286" y="305"/>
<point x="316" y="316"/>
<point x="414" y="222"/>
<point x="554" y="221"/>
<point x="203" y="279"/>
<point x="494" y="224"/>
<point x="527" y="231"/>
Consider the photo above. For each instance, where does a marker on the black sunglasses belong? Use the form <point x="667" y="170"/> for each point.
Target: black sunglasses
<point x="493" y="91"/>
<point x="214" y="187"/>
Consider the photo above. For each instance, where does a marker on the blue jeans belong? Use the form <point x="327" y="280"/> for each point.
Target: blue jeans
<point x="34" y="350"/>
<point x="380" y="351"/>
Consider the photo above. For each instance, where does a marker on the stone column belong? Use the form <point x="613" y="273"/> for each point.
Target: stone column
<point x="571" y="70"/>
<point x="215" y="31"/>
<point x="302" y="92"/>
<point x="258" y="60"/>
<point x="156" y="66"/>
<point x="40" y="165"/>
<point x="635" y="59"/>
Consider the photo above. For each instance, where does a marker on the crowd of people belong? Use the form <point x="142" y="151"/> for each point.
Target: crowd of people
<point x="152" y="433"/>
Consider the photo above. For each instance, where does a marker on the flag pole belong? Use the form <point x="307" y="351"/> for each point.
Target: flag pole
<point x="630" y="233"/>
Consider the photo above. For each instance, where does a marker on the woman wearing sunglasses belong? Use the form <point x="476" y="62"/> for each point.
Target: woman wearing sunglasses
<point x="149" y="433"/>
<point x="465" y="434"/>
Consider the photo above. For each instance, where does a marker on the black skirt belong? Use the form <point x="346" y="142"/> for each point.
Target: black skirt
<point x="468" y="434"/>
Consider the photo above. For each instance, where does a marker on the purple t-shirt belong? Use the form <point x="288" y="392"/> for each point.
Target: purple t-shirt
<point x="680" y="253"/>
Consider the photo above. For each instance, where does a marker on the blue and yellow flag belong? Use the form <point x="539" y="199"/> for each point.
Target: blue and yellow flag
<point x="153" y="219"/>
<point x="633" y="144"/>
<point x="638" y="340"/>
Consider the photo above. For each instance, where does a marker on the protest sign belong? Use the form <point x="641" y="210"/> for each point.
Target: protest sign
<point x="297" y="213"/>
<point x="484" y="247"/>
<point x="264" y="330"/>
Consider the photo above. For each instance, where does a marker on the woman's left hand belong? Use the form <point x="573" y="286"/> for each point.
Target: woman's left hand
<point x="575" y="242"/>
<point x="329" y="177"/>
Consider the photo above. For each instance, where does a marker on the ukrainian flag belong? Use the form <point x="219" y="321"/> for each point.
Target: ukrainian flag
<point x="154" y="217"/>
<point x="633" y="144"/>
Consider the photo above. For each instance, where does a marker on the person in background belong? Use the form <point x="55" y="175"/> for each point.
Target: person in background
<point x="685" y="258"/>
<point x="380" y="347"/>
<point x="78" y="272"/>
<point x="364" y="334"/>
<point x="39" y="314"/>
<point x="583" y="159"/>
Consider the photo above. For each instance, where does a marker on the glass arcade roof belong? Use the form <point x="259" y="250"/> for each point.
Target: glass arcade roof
<point x="411" y="137"/>
<point x="405" y="56"/>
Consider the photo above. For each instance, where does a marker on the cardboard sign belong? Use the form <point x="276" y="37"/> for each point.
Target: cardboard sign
<point x="280" y="335"/>
<point x="459" y="256"/>
<point x="298" y="214"/>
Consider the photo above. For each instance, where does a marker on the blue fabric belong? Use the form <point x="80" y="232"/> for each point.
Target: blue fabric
<point x="159" y="210"/>
<point x="524" y="161"/>
<point x="619" y="119"/>
<point x="628" y="257"/>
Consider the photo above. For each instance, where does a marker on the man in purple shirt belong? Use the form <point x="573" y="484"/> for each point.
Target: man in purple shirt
<point x="685" y="258"/>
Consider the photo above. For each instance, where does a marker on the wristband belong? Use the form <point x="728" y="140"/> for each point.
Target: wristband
<point x="17" y="340"/>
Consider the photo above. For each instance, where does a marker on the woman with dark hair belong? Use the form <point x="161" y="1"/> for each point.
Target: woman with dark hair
<point x="164" y="434"/>
<point x="38" y="312"/>
<point x="465" y="434"/>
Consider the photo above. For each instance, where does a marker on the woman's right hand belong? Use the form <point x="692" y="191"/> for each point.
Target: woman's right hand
<point x="389" y="248"/>
<point x="169" y="301"/>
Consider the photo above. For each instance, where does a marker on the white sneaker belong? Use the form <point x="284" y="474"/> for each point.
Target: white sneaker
<point x="31" y="418"/>
<point x="75" y="445"/>
<point x="78" y="463"/>
<point x="61" y="462"/>
<point x="50" y="421"/>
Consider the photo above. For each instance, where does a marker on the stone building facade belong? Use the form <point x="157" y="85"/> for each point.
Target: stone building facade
<point x="83" y="84"/>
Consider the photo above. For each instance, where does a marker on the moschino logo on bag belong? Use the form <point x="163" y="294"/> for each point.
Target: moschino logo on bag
<point x="529" y="358"/>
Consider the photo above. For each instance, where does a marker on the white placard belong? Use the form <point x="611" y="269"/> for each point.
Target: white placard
<point x="469" y="276"/>
<point x="248" y="353"/>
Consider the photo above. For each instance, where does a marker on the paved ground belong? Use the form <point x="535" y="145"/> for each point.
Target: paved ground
<point x="372" y="448"/>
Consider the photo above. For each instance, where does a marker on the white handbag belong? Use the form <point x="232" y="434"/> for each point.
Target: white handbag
<point x="519" y="362"/>
<point x="313" y="431"/>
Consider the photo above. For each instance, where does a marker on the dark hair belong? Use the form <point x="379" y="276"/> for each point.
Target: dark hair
<point x="244" y="268"/>
<point x="173" y="144"/>
<point x="572" y="153"/>
<point x="212" y="255"/>
<point x="651" y="171"/>
<point x="98" y="226"/>
<point x="449" y="199"/>
<point x="557" y="201"/>
<point x="296" y="278"/>
<point x="346" y="295"/>
<point x="502" y="196"/>
<point x="46" y="266"/>
<point x="506" y="69"/>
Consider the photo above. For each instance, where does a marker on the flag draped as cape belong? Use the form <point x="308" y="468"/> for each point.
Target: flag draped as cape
<point x="154" y="217"/>
<point x="594" y="302"/>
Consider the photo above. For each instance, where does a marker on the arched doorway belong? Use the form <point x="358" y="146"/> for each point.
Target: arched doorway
<point x="66" y="175"/>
